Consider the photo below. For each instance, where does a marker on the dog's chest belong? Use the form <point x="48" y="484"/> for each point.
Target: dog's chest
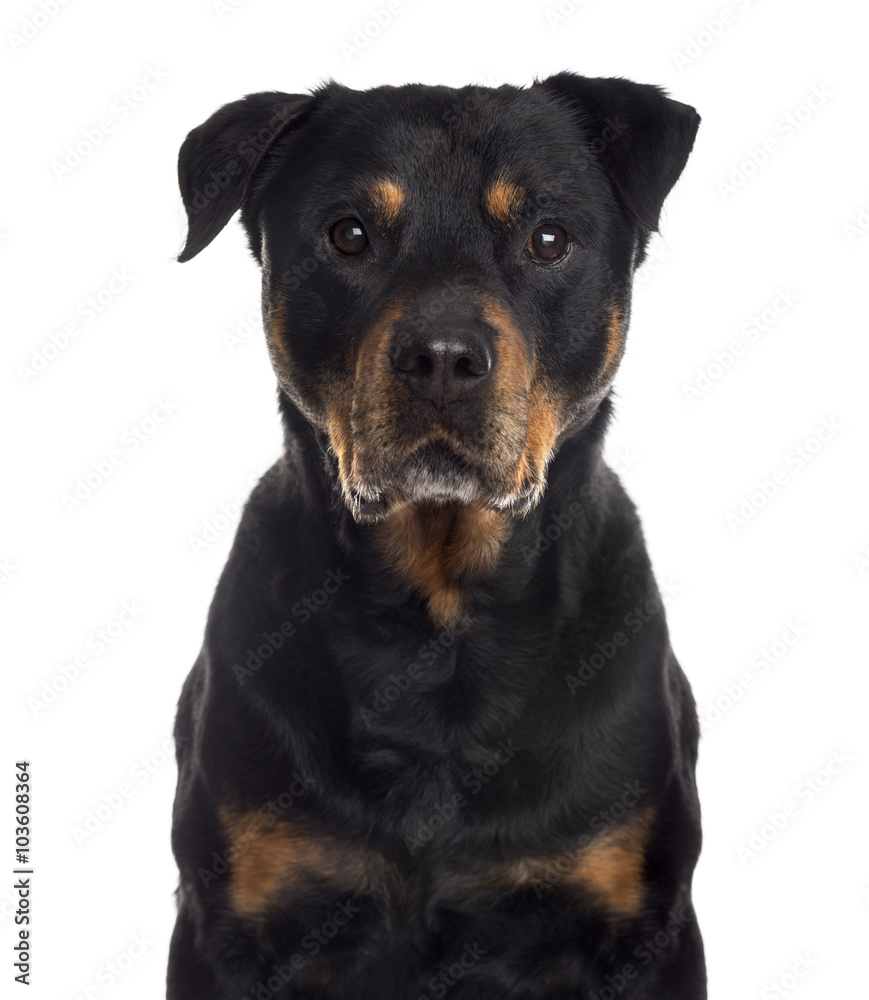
<point x="434" y="729"/>
<point x="444" y="781"/>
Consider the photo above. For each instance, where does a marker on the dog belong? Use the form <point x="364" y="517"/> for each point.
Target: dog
<point x="437" y="743"/>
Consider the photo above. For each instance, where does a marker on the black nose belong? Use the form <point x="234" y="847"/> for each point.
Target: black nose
<point x="445" y="364"/>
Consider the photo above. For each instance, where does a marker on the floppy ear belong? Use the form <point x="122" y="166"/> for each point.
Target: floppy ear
<point x="218" y="159"/>
<point x="641" y="136"/>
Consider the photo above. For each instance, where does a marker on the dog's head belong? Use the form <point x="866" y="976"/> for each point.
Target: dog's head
<point x="446" y="273"/>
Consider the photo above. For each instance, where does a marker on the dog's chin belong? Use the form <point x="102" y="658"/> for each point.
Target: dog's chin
<point x="437" y="473"/>
<point x="434" y="475"/>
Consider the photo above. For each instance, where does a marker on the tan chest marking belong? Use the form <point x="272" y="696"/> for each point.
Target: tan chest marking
<point x="607" y="871"/>
<point x="270" y="860"/>
<point x="439" y="549"/>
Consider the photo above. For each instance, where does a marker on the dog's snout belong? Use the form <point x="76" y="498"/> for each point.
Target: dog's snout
<point x="444" y="364"/>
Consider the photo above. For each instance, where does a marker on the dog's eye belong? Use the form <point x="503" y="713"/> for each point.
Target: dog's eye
<point x="349" y="236"/>
<point x="548" y="244"/>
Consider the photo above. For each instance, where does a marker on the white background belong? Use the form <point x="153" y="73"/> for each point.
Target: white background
<point x="796" y="570"/>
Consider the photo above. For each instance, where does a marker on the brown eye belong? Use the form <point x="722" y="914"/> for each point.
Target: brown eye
<point x="349" y="236"/>
<point x="548" y="244"/>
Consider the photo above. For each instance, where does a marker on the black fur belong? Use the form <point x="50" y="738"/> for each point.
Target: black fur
<point x="516" y="732"/>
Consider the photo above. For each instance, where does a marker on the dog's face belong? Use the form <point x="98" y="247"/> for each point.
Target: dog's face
<point x="446" y="273"/>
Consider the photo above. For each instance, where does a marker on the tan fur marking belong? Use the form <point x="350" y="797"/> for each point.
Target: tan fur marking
<point x="439" y="548"/>
<point x="544" y="426"/>
<point x="477" y="541"/>
<point x="371" y="361"/>
<point x="338" y="429"/>
<point x="615" y="345"/>
<point x="514" y="363"/>
<point x="388" y="199"/>
<point x="609" y="870"/>
<point x="372" y="372"/>
<point x="504" y="200"/>
<point x="520" y="377"/>
<point x="611" y="867"/>
<point x="268" y="860"/>
<point x="275" y="327"/>
<point x="374" y="375"/>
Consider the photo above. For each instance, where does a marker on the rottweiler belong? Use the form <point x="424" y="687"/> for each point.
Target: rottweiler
<point x="436" y="743"/>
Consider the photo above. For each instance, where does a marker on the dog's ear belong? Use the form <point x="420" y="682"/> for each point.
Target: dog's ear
<point x="218" y="159"/>
<point x="641" y="136"/>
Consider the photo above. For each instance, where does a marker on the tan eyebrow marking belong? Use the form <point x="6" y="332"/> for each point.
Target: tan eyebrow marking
<point x="504" y="199"/>
<point x="388" y="199"/>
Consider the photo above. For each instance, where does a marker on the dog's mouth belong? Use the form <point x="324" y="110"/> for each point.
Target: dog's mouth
<point x="439" y="471"/>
